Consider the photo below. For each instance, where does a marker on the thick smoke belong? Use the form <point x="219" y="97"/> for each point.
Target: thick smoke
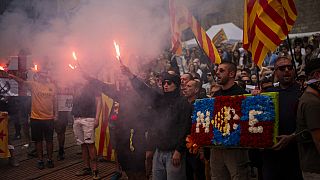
<point x="51" y="29"/>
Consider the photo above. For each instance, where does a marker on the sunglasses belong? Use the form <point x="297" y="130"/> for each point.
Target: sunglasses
<point x="209" y="74"/>
<point x="283" y="68"/>
<point x="169" y="82"/>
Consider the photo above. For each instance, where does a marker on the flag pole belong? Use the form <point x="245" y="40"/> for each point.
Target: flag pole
<point x="292" y="56"/>
<point x="201" y="47"/>
<point x="258" y="76"/>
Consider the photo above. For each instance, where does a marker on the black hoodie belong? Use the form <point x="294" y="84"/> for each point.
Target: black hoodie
<point x="172" y="120"/>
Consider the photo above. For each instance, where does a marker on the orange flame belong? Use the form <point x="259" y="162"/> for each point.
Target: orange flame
<point x="35" y="68"/>
<point x="74" y="56"/>
<point x="117" y="47"/>
<point x="1" y="68"/>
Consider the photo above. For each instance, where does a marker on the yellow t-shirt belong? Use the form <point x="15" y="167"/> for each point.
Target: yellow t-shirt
<point x="42" y="100"/>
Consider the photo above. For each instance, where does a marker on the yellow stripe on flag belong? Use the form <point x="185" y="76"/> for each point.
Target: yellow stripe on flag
<point x="263" y="54"/>
<point x="217" y="56"/>
<point x="253" y="14"/>
<point x="204" y="40"/>
<point x="179" y="16"/>
<point x="102" y="133"/>
<point x="271" y="24"/>
<point x="245" y="26"/>
<point x="287" y="7"/>
<point x="267" y="42"/>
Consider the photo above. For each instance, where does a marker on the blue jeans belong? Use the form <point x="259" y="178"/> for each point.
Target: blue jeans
<point x="163" y="169"/>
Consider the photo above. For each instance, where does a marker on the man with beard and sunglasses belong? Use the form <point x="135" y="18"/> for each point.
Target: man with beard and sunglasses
<point x="282" y="161"/>
<point x="170" y="126"/>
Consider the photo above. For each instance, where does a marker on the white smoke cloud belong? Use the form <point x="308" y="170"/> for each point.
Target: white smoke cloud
<point x="52" y="29"/>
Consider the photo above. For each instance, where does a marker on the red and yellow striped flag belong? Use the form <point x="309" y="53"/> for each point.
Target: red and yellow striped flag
<point x="219" y="37"/>
<point x="102" y="133"/>
<point x="178" y="24"/>
<point x="182" y="19"/>
<point x="266" y="25"/>
<point x="4" y="151"/>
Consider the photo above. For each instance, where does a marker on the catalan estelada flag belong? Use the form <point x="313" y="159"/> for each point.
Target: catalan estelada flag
<point x="102" y="133"/>
<point x="4" y="151"/>
<point x="266" y="25"/>
<point x="182" y="19"/>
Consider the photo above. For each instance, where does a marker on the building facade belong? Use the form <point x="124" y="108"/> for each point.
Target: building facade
<point x="213" y="12"/>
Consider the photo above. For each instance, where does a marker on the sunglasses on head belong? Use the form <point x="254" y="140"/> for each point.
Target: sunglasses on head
<point x="283" y="68"/>
<point x="169" y="82"/>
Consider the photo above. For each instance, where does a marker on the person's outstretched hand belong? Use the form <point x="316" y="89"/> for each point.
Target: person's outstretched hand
<point x="126" y="71"/>
<point x="283" y="142"/>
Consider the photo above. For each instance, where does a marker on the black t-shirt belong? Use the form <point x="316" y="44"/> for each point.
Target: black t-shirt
<point x="284" y="163"/>
<point x="308" y="118"/>
<point x="288" y="103"/>
<point x="84" y="101"/>
<point x="234" y="90"/>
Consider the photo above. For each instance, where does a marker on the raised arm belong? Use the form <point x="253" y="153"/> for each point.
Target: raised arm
<point x="16" y="78"/>
<point x="108" y="89"/>
<point x="141" y="88"/>
<point x="19" y="80"/>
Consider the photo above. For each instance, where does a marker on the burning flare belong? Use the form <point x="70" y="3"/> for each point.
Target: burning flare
<point x="35" y="68"/>
<point x="1" y="68"/>
<point x="74" y="56"/>
<point x="72" y="67"/>
<point x="117" y="47"/>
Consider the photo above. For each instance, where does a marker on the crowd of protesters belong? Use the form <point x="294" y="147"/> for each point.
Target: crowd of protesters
<point x="164" y="91"/>
<point x="287" y="71"/>
<point x="195" y="62"/>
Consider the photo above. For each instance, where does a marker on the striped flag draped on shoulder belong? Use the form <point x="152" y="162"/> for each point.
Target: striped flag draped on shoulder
<point x="182" y="19"/>
<point x="266" y="25"/>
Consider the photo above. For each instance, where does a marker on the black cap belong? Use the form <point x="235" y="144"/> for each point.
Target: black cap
<point x="174" y="78"/>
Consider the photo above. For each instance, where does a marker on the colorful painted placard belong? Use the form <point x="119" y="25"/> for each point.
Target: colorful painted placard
<point x="244" y="121"/>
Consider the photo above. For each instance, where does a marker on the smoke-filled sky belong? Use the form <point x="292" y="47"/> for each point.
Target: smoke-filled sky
<point x="52" y="29"/>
